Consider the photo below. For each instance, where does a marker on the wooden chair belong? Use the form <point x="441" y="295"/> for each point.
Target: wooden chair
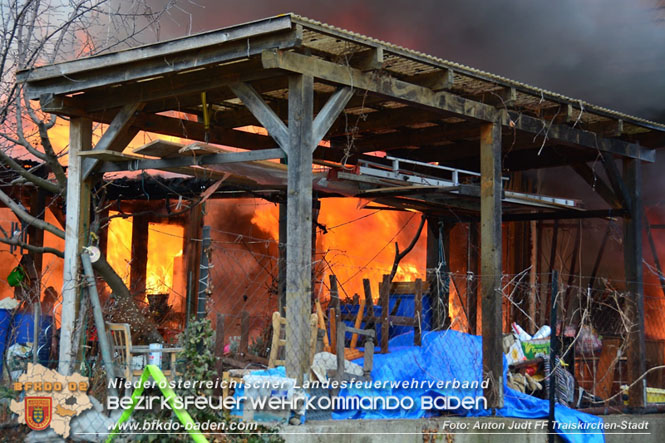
<point x="342" y="352"/>
<point x="123" y="352"/>
<point x="279" y="339"/>
<point x="277" y="350"/>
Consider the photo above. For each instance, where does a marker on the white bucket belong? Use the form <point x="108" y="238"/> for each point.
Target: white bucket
<point x="155" y="358"/>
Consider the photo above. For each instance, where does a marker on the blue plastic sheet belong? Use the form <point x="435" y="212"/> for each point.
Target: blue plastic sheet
<point x="452" y="355"/>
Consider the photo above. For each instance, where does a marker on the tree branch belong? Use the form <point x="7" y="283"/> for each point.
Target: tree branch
<point x="32" y="248"/>
<point x="27" y="218"/>
<point x="400" y="255"/>
<point x="41" y="182"/>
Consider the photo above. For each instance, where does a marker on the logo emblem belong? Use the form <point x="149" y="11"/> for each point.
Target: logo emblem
<point x="38" y="412"/>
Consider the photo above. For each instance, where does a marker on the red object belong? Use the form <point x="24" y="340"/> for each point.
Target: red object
<point x="38" y="412"/>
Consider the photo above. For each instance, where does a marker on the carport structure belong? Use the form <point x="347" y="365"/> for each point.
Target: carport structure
<point x="333" y="98"/>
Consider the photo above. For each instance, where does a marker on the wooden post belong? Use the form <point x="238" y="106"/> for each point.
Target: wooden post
<point x="554" y="350"/>
<point x="139" y="254"/>
<point x="548" y="296"/>
<point x="473" y="244"/>
<point x="36" y="235"/>
<point x="192" y="253"/>
<point x="432" y="262"/>
<point x="632" y="252"/>
<point x="533" y="276"/>
<point x="36" y="238"/>
<point x="384" y="294"/>
<point x="490" y="261"/>
<point x="281" y="264"/>
<point x="299" y="225"/>
<point x="77" y="223"/>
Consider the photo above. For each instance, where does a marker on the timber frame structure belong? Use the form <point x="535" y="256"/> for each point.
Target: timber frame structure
<point x="329" y="97"/>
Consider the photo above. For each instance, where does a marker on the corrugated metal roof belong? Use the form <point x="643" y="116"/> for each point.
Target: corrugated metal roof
<point x="409" y="62"/>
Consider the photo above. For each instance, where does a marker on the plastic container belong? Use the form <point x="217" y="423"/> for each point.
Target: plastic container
<point x="23" y="333"/>
<point x="155" y="358"/>
<point x="5" y="321"/>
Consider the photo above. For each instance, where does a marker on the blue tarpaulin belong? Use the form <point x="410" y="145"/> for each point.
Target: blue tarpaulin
<point x="448" y="356"/>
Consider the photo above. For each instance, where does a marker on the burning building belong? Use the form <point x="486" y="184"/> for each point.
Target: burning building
<point x="318" y="151"/>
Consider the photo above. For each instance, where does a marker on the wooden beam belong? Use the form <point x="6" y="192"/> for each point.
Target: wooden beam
<point x="384" y="119"/>
<point x="614" y="176"/>
<point x="328" y="114"/>
<point x="113" y="135"/>
<point x="139" y="254"/>
<point x="369" y="60"/>
<point x="610" y="128"/>
<point x="632" y="251"/>
<point x="299" y="225"/>
<point x="182" y="91"/>
<point x="418" y="137"/>
<point x="445" y="101"/>
<point x="571" y="214"/>
<point x="158" y="60"/>
<point x="578" y="137"/>
<point x="385" y="85"/>
<point x="597" y="184"/>
<point x="77" y="224"/>
<point x="202" y="160"/>
<point x="266" y="116"/>
<point x="439" y="80"/>
<point x="490" y="261"/>
<point x="161" y="124"/>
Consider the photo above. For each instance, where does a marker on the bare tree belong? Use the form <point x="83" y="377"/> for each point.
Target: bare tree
<point x="38" y="32"/>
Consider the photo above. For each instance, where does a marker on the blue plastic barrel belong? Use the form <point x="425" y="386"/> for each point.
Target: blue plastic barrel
<point x="23" y="331"/>
<point x="5" y="321"/>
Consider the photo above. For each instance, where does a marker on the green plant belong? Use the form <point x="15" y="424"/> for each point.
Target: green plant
<point x="197" y="361"/>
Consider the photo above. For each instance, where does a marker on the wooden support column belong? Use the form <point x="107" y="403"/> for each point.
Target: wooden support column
<point x="490" y="261"/>
<point x="139" y="254"/>
<point x="473" y="243"/>
<point x="299" y="226"/>
<point x="533" y="277"/>
<point x="77" y="223"/>
<point x="298" y="141"/>
<point x="632" y="252"/>
<point x="281" y="264"/>
<point x="432" y="262"/>
<point x="35" y="235"/>
<point x="192" y="252"/>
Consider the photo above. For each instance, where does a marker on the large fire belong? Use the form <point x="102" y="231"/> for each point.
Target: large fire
<point x="358" y="243"/>
<point x="165" y="264"/>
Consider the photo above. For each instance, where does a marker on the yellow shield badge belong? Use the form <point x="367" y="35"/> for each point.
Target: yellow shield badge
<point x="38" y="412"/>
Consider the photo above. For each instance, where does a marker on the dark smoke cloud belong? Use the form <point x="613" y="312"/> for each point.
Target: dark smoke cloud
<point x="608" y="52"/>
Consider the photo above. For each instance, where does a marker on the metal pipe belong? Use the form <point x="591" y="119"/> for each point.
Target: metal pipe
<point x="99" y="321"/>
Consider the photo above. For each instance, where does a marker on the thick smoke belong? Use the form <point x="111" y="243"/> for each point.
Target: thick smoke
<point x="608" y="52"/>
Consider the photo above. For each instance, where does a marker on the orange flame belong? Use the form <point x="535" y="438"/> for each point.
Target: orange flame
<point x="358" y="244"/>
<point x="164" y="246"/>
